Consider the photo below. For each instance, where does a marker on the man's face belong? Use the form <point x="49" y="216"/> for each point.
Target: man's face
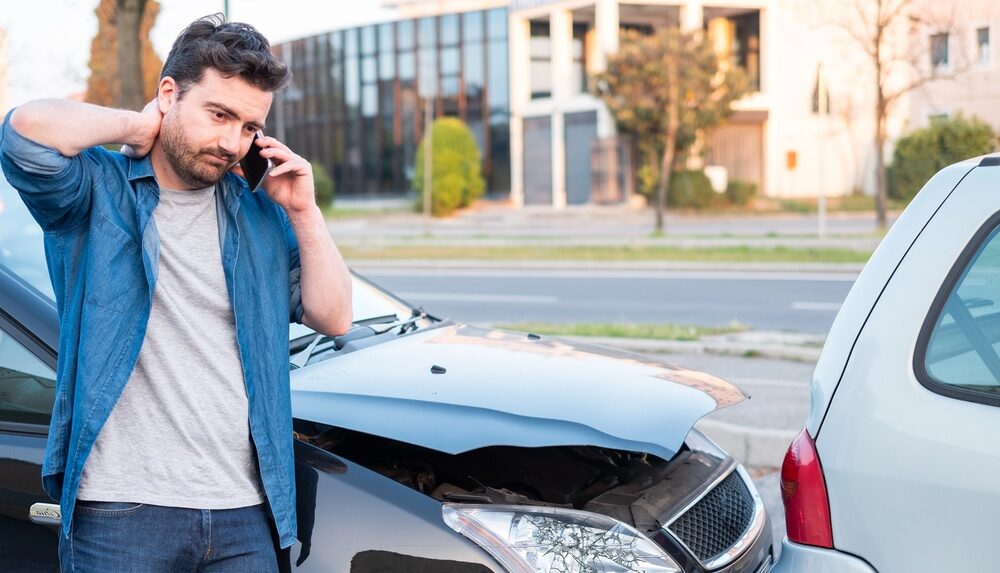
<point x="205" y="133"/>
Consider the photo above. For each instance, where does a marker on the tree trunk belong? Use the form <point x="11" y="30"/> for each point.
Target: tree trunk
<point x="880" y="170"/>
<point x="666" y="169"/>
<point x="670" y="145"/>
<point x="130" y="53"/>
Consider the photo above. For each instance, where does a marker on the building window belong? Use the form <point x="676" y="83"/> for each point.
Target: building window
<point x="450" y="57"/>
<point x="578" y="74"/>
<point x="983" y="47"/>
<point x="939" y="50"/>
<point x="737" y="41"/>
<point x="540" y="48"/>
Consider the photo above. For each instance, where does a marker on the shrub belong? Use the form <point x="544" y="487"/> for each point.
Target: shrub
<point x="740" y="192"/>
<point x="921" y="154"/>
<point x="323" y="184"/>
<point x="456" y="180"/>
<point x="690" y="189"/>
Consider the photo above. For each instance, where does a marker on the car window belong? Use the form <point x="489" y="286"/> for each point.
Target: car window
<point x="962" y="352"/>
<point x="27" y="385"/>
<point x="22" y="249"/>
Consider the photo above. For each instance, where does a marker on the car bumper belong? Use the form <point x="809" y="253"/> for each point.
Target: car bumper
<point x="796" y="558"/>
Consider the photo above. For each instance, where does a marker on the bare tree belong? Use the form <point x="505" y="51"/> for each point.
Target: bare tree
<point x="130" y="13"/>
<point x="124" y="67"/>
<point x="906" y="43"/>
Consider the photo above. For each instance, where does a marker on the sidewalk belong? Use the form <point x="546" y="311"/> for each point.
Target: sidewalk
<point x="492" y="221"/>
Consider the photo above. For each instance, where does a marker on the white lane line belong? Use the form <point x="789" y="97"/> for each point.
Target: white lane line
<point x="479" y="297"/>
<point x="824" y="306"/>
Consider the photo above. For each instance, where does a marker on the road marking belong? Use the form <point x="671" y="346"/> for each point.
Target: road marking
<point x="478" y="297"/>
<point x="824" y="306"/>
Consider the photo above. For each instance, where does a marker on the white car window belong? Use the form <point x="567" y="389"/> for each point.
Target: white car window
<point x="963" y="349"/>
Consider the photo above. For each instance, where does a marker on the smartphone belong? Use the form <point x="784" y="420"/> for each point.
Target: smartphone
<point x="255" y="168"/>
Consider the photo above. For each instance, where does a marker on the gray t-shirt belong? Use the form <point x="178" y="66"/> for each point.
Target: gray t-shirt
<point x="179" y="435"/>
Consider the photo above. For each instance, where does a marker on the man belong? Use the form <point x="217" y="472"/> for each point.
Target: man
<point x="170" y="447"/>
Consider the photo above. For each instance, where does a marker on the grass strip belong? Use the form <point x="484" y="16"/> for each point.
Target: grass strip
<point x="624" y="329"/>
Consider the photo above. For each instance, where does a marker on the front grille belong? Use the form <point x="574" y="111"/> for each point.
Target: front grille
<point x="718" y="520"/>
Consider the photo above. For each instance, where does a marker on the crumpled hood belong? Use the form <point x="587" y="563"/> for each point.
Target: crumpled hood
<point x="504" y="388"/>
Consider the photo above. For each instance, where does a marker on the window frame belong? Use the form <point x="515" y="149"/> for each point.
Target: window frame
<point x="39" y="350"/>
<point x="954" y="275"/>
<point x="980" y="61"/>
<point x="946" y="64"/>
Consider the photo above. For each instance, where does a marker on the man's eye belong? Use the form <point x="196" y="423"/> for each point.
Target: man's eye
<point x="220" y="115"/>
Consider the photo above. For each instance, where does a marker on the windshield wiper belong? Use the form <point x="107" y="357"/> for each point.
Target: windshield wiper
<point x="360" y="329"/>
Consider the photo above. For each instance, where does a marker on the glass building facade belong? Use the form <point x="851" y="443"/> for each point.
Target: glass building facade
<point x="358" y="97"/>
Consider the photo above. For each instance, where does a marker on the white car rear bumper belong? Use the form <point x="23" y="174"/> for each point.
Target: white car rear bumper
<point x="797" y="558"/>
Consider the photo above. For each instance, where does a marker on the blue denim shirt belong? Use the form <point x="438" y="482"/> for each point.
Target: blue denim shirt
<point x="102" y="250"/>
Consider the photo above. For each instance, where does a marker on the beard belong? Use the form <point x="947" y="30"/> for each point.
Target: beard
<point x="194" y="166"/>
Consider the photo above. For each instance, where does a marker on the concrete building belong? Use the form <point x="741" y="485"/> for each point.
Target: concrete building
<point x="965" y="44"/>
<point x="517" y="71"/>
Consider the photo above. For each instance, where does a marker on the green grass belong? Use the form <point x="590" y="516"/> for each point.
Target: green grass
<point x="845" y="204"/>
<point x="624" y="329"/>
<point x="778" y="254"/>
<point x="333" y="212"/>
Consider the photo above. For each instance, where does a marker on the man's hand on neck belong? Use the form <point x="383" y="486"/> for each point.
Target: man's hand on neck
<point x="147" y="127"/>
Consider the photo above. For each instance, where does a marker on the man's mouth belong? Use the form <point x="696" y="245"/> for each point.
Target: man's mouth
<point x="221" y="159"/>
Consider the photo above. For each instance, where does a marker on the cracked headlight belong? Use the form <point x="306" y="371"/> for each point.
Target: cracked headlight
<point x="528" y="539"/>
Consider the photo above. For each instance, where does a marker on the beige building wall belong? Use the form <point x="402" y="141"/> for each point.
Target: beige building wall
<point x="975" y="91"/>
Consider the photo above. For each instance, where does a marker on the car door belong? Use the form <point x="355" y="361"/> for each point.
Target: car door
<point x="909" y="444"/>
<point x="27" y="391"/>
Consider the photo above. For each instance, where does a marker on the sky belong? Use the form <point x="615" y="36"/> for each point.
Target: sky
<point x="48" y="41"/>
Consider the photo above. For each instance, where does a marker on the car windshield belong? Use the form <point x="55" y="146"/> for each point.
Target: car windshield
<point x="22" y="251"/>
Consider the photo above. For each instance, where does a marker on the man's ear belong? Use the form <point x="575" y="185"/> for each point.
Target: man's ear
<point x="167" y="94"/>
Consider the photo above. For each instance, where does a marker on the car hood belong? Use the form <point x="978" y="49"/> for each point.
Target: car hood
<point x="510" y="389"/>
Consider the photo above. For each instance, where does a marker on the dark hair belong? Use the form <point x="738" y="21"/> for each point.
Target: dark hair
<point x="231" y="48"/>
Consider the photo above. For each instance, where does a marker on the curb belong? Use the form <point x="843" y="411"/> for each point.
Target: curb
<point x="754" y="447"/>
<point x="707" y="346"/>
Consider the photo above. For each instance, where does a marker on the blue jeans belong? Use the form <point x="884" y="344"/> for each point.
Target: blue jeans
<point x="113" y="536"/>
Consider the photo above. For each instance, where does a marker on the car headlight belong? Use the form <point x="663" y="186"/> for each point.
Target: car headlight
<point x="527" y="539"/>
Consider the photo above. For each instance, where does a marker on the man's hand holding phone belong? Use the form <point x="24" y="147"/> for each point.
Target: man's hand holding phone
<point x="255" y="167"/>
<point x="289" y="180"/>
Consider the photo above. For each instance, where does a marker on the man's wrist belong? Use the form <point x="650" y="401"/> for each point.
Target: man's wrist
<point x="134" y="128"/>
<point x="306" y="216"/>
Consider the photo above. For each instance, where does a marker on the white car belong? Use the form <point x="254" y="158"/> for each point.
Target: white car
<point x="898" y="467"/>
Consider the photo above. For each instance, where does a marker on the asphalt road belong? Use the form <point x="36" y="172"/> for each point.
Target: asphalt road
<point x="803" y="302"/>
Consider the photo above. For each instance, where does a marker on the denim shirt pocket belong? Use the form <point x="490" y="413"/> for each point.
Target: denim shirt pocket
<point x="113" y="259"/>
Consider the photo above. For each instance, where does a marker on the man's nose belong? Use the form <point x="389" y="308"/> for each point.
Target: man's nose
<point x="230" y="140"/>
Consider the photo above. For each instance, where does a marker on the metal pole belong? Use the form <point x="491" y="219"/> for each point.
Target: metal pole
<point x="428" y="161"/>
<point x="824" y="130"/>
<point x="225" y="9"/>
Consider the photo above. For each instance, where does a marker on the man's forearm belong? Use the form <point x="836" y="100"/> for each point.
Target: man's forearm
<point x="325" y="280"/>
<point x="71" y="127"/>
